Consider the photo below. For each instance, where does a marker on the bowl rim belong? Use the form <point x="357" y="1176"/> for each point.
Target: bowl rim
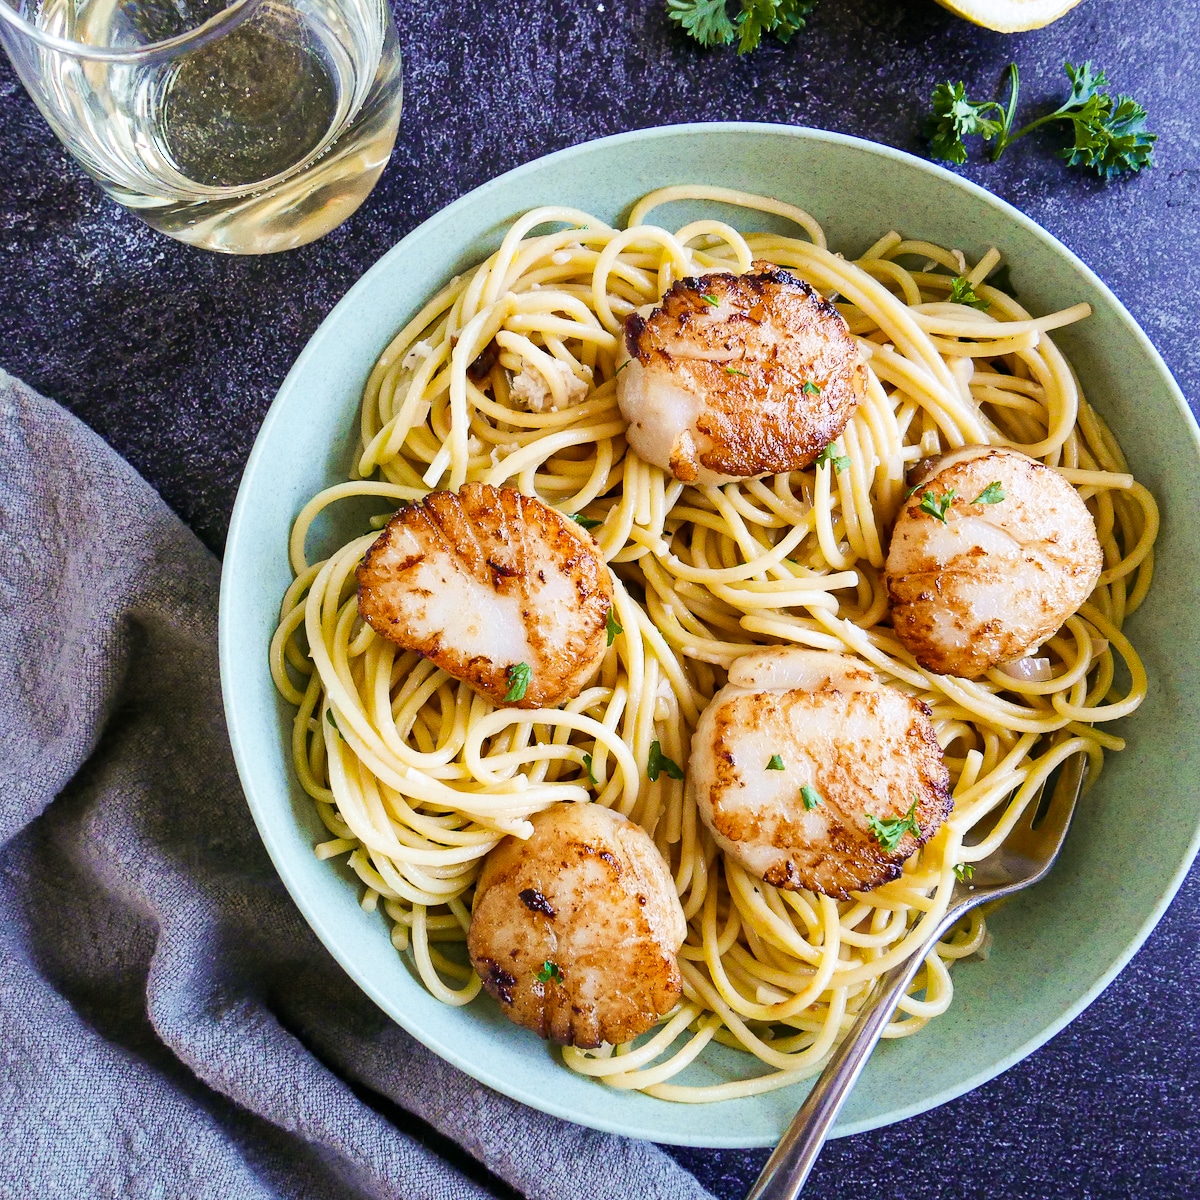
<point x="544" y="1100"/>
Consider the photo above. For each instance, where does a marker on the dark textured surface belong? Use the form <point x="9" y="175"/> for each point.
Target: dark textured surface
<point x="173" y="355"/>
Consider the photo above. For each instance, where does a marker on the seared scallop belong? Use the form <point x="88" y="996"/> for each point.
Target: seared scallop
<point x="496" y="588"/>
<point x="576" y="931"/>
<point x="734" y="376"/>
<point x="989" y="556"/>
<point x="811" y="773"/>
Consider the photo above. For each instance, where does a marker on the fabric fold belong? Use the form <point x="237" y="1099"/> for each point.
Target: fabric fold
<point x="169" y="1025"/>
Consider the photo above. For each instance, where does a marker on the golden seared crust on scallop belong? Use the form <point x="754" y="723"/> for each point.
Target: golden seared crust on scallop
<point x="1015" y="556"/>
<point x="733" y="376"/>
<point x="482" y="580"/>
<point x="575" y="932"/>
<point x="791" y="720"/>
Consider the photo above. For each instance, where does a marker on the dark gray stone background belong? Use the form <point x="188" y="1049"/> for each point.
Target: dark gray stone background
<point x="173" y="355"/>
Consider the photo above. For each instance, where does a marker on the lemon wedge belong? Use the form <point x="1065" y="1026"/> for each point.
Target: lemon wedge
<point x="1009" y="16"/>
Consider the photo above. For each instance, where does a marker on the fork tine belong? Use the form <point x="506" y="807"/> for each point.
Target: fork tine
<point x="1042" y="825"/>
<point x="1067" y="790"/>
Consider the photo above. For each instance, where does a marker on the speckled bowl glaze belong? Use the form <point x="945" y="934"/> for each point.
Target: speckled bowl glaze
<point x="1056" y="946"/>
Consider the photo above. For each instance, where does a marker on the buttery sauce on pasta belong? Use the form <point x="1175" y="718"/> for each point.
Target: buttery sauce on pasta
<point x="506" y="376"/>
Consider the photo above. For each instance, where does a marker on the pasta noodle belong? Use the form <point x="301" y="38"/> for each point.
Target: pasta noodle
<point x="506" y="376"/>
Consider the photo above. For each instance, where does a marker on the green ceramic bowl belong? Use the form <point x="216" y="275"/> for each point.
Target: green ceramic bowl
<point x="1056" y="946"/>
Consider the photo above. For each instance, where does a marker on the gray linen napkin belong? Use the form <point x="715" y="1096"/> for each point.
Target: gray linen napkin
<point x="169" y="1026"/>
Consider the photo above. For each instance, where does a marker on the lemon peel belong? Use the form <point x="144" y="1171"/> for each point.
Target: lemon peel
<point x="1009" y="16"/>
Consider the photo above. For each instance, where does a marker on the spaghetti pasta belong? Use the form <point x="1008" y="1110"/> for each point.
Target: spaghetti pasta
<point x="506" y="376"/>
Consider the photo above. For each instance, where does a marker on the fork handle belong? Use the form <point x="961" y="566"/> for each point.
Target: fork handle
<point x="788" y="1168"/>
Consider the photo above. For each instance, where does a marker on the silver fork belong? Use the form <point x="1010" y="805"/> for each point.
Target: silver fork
<point x="1024" y="857"/>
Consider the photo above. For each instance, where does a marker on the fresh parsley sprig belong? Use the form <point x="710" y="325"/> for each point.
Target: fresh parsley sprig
<point x="954" y="117"/>
<point x="1110" y="134"/>
<point x="709" y="22"/>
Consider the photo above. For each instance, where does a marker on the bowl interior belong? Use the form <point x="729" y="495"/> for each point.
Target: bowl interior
<point x="1054" y="947"/>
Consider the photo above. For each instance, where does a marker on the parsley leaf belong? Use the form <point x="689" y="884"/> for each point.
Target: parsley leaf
<point x="519" y="675"/>
<point x="810" y="388"/>
<point x="332" y="720"/>
<point x="709" y="299"/>
<point x="963" y="871"/>
<point x="612" y="627"/>
<point x="1086" y="82"/>
<point x="735" y="371"/>
<point x="587" y="762"/>
<point x="708" y="21"/>
<point x="890" y="830"/>
<point x="775" y="763"/>
<point x="548" y="971"/>
<point x="756" y="18"/>
<point x="1110" y="136"/>
<point x="705" y="20"/>
<point x="790" y="18"/>
<point x="937" y="506"/>
<point x="962" y="291"/>
<point x="992" y="494"/>
<point x="811" y="797"/>
<point x="659" y="762"/>
<point x="586" y="522"/>
<point x="954" y="117"/>
<point x="829" y="457"/>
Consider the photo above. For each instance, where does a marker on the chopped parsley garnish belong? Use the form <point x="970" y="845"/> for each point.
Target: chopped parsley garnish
<point x="612" y="627"/>
<point x="830" y="458"/>
<point x="735" y="371"/>
<point x="963" y="871"/>
<point x="992" y="494"/>
<point x="1110" y="134"/>
<point x="962" y="291"/>
<point x="519" y="675"/>
<point x="586" y="522"/>
<point x="622" y="367"/>
<point x="332" y="720"/>
<point x="890" y="830"/>
<point x="709" y="23"/>
<point x="937" y="506"/>
<point x="548" y="971"/>
<point x="659" y="762"/>
<point x="810" y="388"/>
<point x="587" y="762"/>
<point x="909" y="492"/>
<point x="811" y="797"/>
<point x="709" y="299"/>
<point x="775" y="763"/>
